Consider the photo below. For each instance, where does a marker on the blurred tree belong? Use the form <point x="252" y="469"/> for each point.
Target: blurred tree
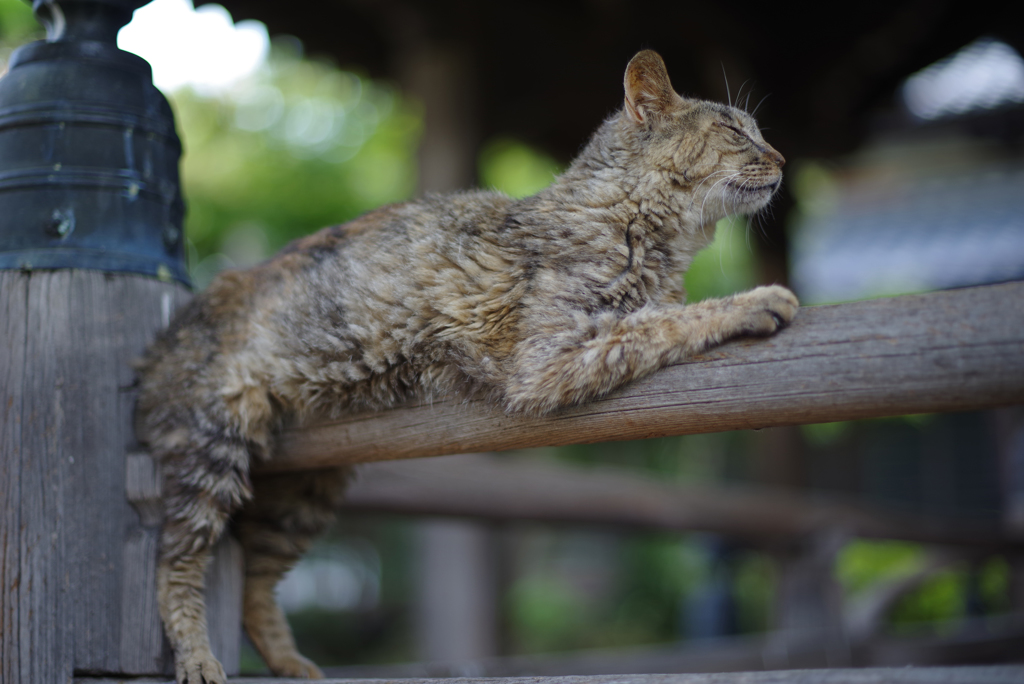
<point x="17" y="26"/>
<point x="295" y="147"/>
<point x="514" y="168"/>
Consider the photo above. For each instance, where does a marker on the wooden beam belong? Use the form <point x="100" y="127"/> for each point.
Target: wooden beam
<point x="975" y="674"/>
<point x="500" y="488"/>
<point x="736" y="660"/>
<point x="944" y="351"/>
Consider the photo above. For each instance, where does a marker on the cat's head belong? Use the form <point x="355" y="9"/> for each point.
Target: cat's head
<point x="713" y="151"/>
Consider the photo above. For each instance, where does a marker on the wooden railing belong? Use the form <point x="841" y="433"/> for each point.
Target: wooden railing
<point x="946" y="351"/>
<point x="510" y="489"/>
<point x="955" y="350"/>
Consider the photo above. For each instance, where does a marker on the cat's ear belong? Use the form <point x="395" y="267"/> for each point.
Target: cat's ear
<point x="648" y="90"/>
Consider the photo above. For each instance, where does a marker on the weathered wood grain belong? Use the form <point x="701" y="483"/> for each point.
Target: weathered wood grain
<point x="224" y="584"/>
<point x="945" y="351"/>
<point x="68" y="338"/>
<point x="13" y="320"/>
<point x="143" y="647"/>
<point x="143" y="487"/>
<point x="37" y="566"/>
<point x="30" y="531"/>
<point x="139" y="308"/>
<point x="92" y="348"/>
<point x="501" y="488"/>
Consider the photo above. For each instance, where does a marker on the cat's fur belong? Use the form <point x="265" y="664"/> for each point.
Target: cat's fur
<point x="537" y="303"/>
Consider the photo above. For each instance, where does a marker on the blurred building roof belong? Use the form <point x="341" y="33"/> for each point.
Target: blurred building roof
<point x="936" y="199"/>
<point x="987" y="73"/>
<point x="549" y="71"/>
<point x="889" y="235"/>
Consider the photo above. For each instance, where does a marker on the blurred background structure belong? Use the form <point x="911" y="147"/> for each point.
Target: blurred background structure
<point x="904" y="130"/>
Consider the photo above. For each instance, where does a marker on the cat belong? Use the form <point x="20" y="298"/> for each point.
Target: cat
<point x="537" y="303"/>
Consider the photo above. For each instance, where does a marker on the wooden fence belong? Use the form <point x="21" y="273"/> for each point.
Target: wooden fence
<point x="953" y="350"/>
<point x="945" y="351"/>
<point x="956" y="350"/>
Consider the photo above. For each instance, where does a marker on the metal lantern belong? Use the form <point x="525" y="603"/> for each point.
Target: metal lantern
<point x="88" y="151"/>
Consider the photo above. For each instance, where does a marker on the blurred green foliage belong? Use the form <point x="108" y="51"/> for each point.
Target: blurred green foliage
<point x="295" y="147"/>
<point x="754" y="591"/>
<point x="514" y="168"/>
<point x="545" y="614"/>
<point x="727" y="265"/>
<point x="862" y="563"/>
<point x="378" y="634"/>
<point x="17" y="24"/>
<point x="594" y="589"/>
<point x="941" y="598"/>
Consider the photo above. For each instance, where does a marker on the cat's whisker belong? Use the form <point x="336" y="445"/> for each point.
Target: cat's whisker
<point x="726" y="209"/>
<point x="754" y="113"/>
<point x="721" y="260"/>
<point x="728" y="95"/>
<point x="739" y="93"/>
<point x="760" y="225"/>
<point x="712" y="175"/>
<point x="712" y="189"/>
<point x="706" y="179"/>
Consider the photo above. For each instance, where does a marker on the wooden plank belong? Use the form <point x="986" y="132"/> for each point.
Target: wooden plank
<point x="943" y="351"/>
<point x="225" y="580"/>
<point x="13" y="352"/>
<point x="138" y="308"/>
<point x="108" y="321"/>
<point x="990" y="640"/>
<point x="143" y="487"/>
<point x="510" y="489"/>
<point x="35" y="563"/>
<point x="990" y="674"/>
<point x="142" y="644"/>
<point x="92" y="352"/>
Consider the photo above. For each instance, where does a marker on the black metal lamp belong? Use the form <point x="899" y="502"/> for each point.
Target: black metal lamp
<point x="88" y="151"/>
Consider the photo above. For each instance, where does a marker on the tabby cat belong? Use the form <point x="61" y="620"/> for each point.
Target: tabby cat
<point x="536" y="304"/>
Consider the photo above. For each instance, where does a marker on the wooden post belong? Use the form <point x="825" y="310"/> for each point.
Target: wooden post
<point x="809" y="603"/>
<point x="1009" y="424"/>
<point x="77" y="591"/>
<point x="456" y="592"/>
<point x="91" y="266"/>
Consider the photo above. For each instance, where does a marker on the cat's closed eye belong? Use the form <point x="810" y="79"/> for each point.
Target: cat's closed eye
<point x="735" y="132"/>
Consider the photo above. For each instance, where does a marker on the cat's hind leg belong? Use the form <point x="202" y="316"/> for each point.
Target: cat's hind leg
<point x="203" y="486"/>
<point x="287" y="511"/>
<point x="574" y="357"/>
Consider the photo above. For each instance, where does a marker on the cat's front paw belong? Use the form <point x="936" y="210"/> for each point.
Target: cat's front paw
<point x="765" y="309"/>
<point x="199" y="669"/>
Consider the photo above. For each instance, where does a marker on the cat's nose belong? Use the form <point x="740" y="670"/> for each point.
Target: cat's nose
<point x="776" y="158"/>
